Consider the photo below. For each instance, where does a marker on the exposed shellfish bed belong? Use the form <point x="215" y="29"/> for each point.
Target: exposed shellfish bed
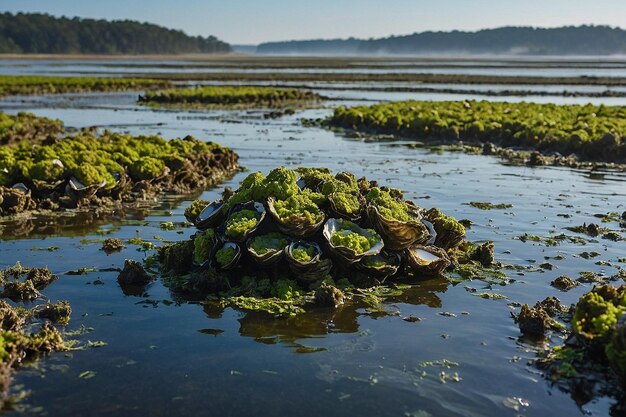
<point x="308" y="228"/>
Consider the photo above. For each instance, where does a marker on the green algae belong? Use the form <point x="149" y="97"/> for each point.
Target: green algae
<point x="240" y="222"/>
<point x="271" y="241"/>
<point x="591" y="131"/>
<point x="11" y="85"/>
<point x="388" y="206"/>
<point x="225" y="256"/>
<point x="25" y="127"/>
<point x="203" y="246"/>
<point x="482" y="205"/>
<point x="230" y="96"/>
<point x="349" y="236"/>
<point x="303" y="255"/>
<point x="195" y="208"/>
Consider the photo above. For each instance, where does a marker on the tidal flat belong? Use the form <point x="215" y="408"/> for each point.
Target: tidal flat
<point x="432" y="346"/>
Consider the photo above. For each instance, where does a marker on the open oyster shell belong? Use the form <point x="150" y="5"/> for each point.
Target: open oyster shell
<point x="398" y="235"/>
<point x="77" y="190"/>
<point x="208" y="259"/>
<point x="390" y="268"/>
<point x="268" y="258"/>
<point x="233" y="262"/>
<point x="251" y="205"/>
<point x="427" y="260"/>
<point x="336" y="212"/>
<point x="314" y="270"/>
<point x="293" y="228"/>
<point x="344" y="254"/>
<point x="211" y="216"/>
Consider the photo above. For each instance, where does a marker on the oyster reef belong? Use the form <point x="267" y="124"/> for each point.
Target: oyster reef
<point x="308" y="229"/>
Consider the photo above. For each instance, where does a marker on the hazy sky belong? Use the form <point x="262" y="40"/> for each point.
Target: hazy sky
<point x="255" y="21"/>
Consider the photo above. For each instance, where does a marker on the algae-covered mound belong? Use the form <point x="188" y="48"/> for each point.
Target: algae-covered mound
<point x="26" y="127"/>
<point x="100" y="172"/>
<point x="35" y="84"/>
<point x="592" y="132"/>
<point x="292" y="225"/>
<point x="593" y="358"/>
<point x="231" y="96"/>
<point x="27" y="332"/>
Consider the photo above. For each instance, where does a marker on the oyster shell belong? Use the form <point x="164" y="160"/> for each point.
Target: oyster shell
<point x="294" y="228"/>
<point x="211" y="216"/>
<point x="207" y="262"/>
<point x="450" y="233"/>
<point x="272" y="256"/>
<point x="77" y="190"/>
<point x="251" y="205"/>
<point x="22" y="187"/>
<point x="427" y="260"/>
<point x="390" y="267"/>
<point x="234" y="260"/>
<point x="397" y="234"/>
<point x="347" y="255"/>
<point x="335" y="211"/>
<point x="311" y="271"/>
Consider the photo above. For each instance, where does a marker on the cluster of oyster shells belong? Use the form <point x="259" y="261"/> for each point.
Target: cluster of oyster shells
<point x="404" y="244"/>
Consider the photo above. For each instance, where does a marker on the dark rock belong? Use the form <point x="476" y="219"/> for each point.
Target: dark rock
<point x="133" y="274"/>
<point x="564" y="283"/>
<point x="533" y="321"/>
<point x="328" y="296"/>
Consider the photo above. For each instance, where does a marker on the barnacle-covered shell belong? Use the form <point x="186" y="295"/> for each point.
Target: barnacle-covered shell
<point x="251" y="205"/>
<point x="347" y="255"/>
<point x="292" y="227"/>
<point x="270" y="257"/>
<point x="314" y="270"/>
<point x="389" y="268"/>
<point x="427" y="260"/>
<point x="233" y="262"/>
<point x="397" y="234"/>
<point x="211" y="216"/>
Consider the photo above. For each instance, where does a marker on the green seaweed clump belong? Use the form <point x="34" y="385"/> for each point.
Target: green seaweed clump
<point x="240" y="222"/>
<point x="350" y="237"/>
<point x="450" y="232"/>
<point x="195" y="208"/>
<point x="265" y="243"/>
<point x="231" y="96"/>
<point x="303" y="255"/>
<point x="593" y="132"/>
<point x="346" y="203"/>
<point x="203" y="246"/>
<point x="225" y="256"/>
<point x="597" y="311"/>
<point x="298" y="207"/>
<point x="388" y="206"/>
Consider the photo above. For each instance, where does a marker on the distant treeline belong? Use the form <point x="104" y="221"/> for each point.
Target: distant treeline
<point x="45" y="34"/>
<point x="570" y="40"/>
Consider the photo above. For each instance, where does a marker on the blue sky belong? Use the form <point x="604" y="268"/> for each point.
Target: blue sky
<point x="255" y="21"/>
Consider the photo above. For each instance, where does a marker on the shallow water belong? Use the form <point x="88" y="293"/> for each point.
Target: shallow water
<point x="169" y="357"/>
